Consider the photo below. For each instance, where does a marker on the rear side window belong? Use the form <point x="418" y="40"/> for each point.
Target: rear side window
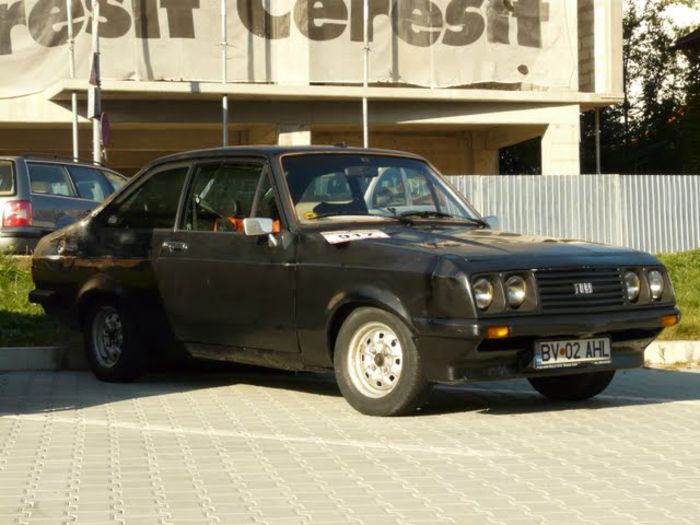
<point x="90" y="183"/>
<point x="49" y="180"/>
<point x="7" y="179"/>
<point x="153" y="204"/>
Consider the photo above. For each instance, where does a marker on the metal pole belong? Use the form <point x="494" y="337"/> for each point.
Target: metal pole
<point x="365" y="83"/>
<point x="71" y="65"/>
<point x="224" y="69"/>
<point x="598" y="169"/>
<point x="96" y="127"/>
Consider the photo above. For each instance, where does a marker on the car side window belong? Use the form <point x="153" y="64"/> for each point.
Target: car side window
<point x="49" y="180"/>
<point x="90" y="183"/>
<point x="221" y="196"/>
<point x="7" y="179"/>
<point x="153" y="204"/>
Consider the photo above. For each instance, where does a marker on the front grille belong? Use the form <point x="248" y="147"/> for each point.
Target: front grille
<point x="599" y="289"/>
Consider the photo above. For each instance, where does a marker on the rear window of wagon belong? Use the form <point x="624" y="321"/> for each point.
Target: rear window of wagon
<point x="7" y="179"/>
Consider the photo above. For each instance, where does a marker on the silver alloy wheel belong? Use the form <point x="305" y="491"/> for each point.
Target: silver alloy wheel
<point x="107" y="336"/>
<point x="375" y="359"/>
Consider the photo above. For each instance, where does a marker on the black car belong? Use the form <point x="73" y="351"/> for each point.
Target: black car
<point x="41" y="193"/>
<point x="363" y="261"/>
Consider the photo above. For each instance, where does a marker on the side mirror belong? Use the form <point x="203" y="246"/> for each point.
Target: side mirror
<point x="493" y="222"/>
<point x="258" y="226"/>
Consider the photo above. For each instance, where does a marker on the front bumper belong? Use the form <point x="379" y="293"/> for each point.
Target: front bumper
<point x="457" y="350"/>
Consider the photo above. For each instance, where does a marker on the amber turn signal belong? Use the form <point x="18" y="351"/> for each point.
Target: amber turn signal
<point x="498" y="332"/>
<point x="670" y="320"/>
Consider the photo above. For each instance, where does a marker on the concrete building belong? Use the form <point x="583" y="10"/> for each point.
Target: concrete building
<point x="461" y="128"/>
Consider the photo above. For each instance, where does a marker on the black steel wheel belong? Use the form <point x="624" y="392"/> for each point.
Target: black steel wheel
<point x="113" y="346"/>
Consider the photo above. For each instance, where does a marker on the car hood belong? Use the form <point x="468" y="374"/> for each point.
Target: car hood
<point x="486" y="245"/>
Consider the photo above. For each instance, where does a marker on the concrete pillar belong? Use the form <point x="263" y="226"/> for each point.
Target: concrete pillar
<point x="560" y="150"/>
<point x="485" y="159"/>
<point x="294" y="135"/>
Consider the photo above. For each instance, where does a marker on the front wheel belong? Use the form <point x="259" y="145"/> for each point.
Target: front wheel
<point x="113" y="346"/>
<point x="377" y="365"/>
<point x="575" y="387"/>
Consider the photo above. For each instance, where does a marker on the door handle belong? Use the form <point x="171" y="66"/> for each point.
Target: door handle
<point x="173" y="246"/>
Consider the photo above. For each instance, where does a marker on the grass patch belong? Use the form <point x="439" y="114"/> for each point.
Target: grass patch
<point x="22" y="323"/>
<point x="685" y="272"/>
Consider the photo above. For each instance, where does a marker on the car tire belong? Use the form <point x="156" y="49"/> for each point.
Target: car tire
<point x="113" y="346"/>
<point x="377" y="365"/>
<point x="575" y="387"/>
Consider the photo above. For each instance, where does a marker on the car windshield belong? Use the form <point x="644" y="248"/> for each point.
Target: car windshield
<point x="347" y="187"/>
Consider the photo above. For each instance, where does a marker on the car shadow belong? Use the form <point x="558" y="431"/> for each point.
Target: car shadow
<point x="37" y="392"/>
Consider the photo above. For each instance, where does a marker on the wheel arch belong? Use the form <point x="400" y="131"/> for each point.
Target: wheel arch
<point x="97" y="289"/>
<point x="367" y="297"/>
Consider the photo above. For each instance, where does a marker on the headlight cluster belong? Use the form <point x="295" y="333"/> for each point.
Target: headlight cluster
<point x="651" y="284"/>
<point x="516" y="291"/>
<point x="483" y="293"/>
<point x="502" y="292"/>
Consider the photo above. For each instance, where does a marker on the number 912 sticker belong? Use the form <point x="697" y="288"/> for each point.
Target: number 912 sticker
<point x="341" y="237"/>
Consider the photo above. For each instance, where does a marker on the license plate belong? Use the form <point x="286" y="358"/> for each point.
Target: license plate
<point x="559" y="354"/>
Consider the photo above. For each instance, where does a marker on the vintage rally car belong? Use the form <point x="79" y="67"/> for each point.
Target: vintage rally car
<point x="363" y="261"/>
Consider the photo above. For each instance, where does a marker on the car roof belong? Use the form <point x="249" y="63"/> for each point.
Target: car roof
<point x="52" y="159"/>
<point x="272" y="151"/>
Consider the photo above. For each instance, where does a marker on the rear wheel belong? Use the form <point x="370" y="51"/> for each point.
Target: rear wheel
<point x="377" y="365"/>
<point x="575" y="387"/>
<point x="113" y="346"/>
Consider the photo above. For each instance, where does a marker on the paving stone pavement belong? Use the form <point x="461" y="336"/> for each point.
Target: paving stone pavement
<point x="271" y="447"/>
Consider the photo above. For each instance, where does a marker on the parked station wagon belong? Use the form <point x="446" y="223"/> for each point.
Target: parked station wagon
<point x="362" y="261"/>
<point x="40" y="194"/>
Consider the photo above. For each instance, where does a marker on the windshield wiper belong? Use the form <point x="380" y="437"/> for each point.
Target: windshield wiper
<point x="442" y="215"/>
<point x="336" y="214"/>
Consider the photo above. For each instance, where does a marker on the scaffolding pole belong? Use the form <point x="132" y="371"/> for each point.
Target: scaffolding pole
<point x="71" y="67"/>
<point x="224" y="70"/>
<point x="598" y="167"/>
<point x="365" y="83"/>
<point x="95" y="77"/>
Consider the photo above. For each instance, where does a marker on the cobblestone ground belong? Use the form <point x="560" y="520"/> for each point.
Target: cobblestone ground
<point x="255" y="447"/>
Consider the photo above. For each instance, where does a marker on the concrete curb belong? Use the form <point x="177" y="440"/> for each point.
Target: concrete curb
<point x="60" y="358"/>
<point x="672" y="352"/>
<point x="45" y="358"/>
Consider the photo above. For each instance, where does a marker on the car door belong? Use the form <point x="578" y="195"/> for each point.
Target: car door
<point x="219" y="286"/>
<point x="125" y="239"/>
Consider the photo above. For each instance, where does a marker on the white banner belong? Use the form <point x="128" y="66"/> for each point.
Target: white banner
<point x="434" y="43"/>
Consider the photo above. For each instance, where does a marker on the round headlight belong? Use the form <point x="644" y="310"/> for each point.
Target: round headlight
<point x="633" y="285"/>
<point x="483" y="293"/>
<point x="516" y="291"/>
<point x="656" y="284"/>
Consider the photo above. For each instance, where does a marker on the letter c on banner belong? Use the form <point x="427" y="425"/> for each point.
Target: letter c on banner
<point x="261" y="23"/>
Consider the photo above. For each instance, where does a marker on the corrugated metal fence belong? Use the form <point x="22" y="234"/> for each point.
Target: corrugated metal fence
<point x="655" y="213"/>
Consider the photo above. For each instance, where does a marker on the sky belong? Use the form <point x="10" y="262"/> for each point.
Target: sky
<point x="685" y="16"/>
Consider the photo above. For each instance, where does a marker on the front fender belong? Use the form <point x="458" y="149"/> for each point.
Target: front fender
<point x="368" y="295"/>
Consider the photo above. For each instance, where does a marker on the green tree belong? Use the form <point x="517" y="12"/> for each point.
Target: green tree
<point x="645" y="133"/>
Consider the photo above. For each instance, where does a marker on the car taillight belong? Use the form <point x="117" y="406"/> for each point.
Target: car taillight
<point x="17" y="213"/>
